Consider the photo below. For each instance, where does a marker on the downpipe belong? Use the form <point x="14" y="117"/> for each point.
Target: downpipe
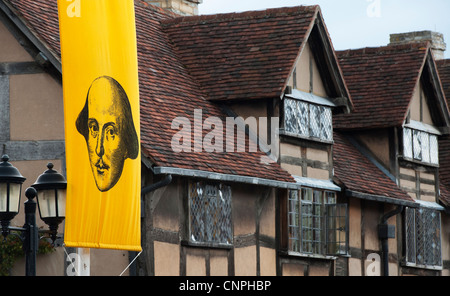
<point x="163" y="183"/>
<point x="166" y="181"/>
<point x="385" y="232"/>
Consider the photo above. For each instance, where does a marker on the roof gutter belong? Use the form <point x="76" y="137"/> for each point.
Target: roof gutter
<point x="222" y="177"/>
<point x="299" y="182"/>
<point x="383" y="199"/>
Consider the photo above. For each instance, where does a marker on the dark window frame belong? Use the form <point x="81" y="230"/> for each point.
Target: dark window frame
<point x="315" y="226"/>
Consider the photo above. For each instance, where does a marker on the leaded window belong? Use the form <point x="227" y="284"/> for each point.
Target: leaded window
<point x="317" y="225"/>
<point x="423" y="238"/>
<point x="308" y="120"/>
<point x="420" y="146"/>
<point x="210" y="213"/>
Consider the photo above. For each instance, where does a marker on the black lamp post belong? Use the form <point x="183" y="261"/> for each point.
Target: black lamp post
<point x="49" y="189"/>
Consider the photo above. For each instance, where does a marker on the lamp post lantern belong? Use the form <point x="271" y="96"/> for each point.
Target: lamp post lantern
<point x="10" y="186"/>
<point x="50" y="191"/>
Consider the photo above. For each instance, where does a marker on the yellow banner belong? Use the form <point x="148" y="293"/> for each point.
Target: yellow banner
<point x="102" y="128"/>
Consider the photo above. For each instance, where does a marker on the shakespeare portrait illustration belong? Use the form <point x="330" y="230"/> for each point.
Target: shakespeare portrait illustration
<point x="106" y="122"/>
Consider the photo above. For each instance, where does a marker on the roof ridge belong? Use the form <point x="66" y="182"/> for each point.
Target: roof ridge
<point x="253" y="14"/>
<point x="409" y="47"/>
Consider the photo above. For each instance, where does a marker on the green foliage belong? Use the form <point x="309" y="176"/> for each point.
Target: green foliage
<point x="11" y="249"/>
<point x="45" y="247"/>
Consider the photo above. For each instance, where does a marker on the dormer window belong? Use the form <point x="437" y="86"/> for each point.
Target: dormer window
<point x="420" y="145"/>
<point x="308" y="116"/>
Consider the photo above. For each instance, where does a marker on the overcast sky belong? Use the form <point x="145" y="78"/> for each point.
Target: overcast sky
<point x="358" y="23"/>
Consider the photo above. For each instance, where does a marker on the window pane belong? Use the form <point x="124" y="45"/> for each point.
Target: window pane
<point x="432" y="237"/>
<point x="317" y="221"/>
<point x="420" y="237"/>
<point x="417" y="145"/>
<point x="307" y="220"/>
<point x="337" y="229"/>
<point x="314" y="121"/>
<point x="435" y="236"/>
<point x="303" y="118"/>
<point x="425" y="147"/>
<point x="290" y="114"/>
<point x="210" y="205"/>
<point x="423" y="237"/>
<point x="410" y="235"/>
<point x="308" y="120"/>
<point x="307" y="227"/>
<point x="196" y="212"/>
<point x="323" y="230"/>
<point x="210" y="213"/>
<point x="294" y="210"/>
<point x="434" y="150"/>
<point x="407" y="143"/>
<point x="294" y="241"/>
<point x="330" y="197"/>
<point x="327" y="124"/>
<point x="317" y="196"/>
<point x="224" y="215"/>
<point x="293" y="221"/>
<point x="307" y="194"/>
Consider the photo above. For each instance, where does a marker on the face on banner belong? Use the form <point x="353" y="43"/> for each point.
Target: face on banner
<point x="102" y="128"/>
<point x="106" y="122"/>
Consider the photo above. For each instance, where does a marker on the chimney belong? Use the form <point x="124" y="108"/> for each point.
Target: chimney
<point x="181" y="7"/>
<point x="436" y="40"/>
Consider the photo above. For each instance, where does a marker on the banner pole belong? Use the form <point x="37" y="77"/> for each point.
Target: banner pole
<point x="84" y="267"/>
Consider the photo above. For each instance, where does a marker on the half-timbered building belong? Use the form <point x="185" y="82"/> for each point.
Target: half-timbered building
<point x="264" y="151"/>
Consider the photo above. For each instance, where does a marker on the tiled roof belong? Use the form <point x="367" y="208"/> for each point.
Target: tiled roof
<point x="445" y="195"/>
<point x="444" y="141"/>
<point x="444" y="158"/>
<point x="41" y="17"/>
<point x="247" y="55"/>
<point x="444" y="72"/>
<point x="167" y="91"/>
<point x="381" y="82"/>
<point x="358" y="174"/>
